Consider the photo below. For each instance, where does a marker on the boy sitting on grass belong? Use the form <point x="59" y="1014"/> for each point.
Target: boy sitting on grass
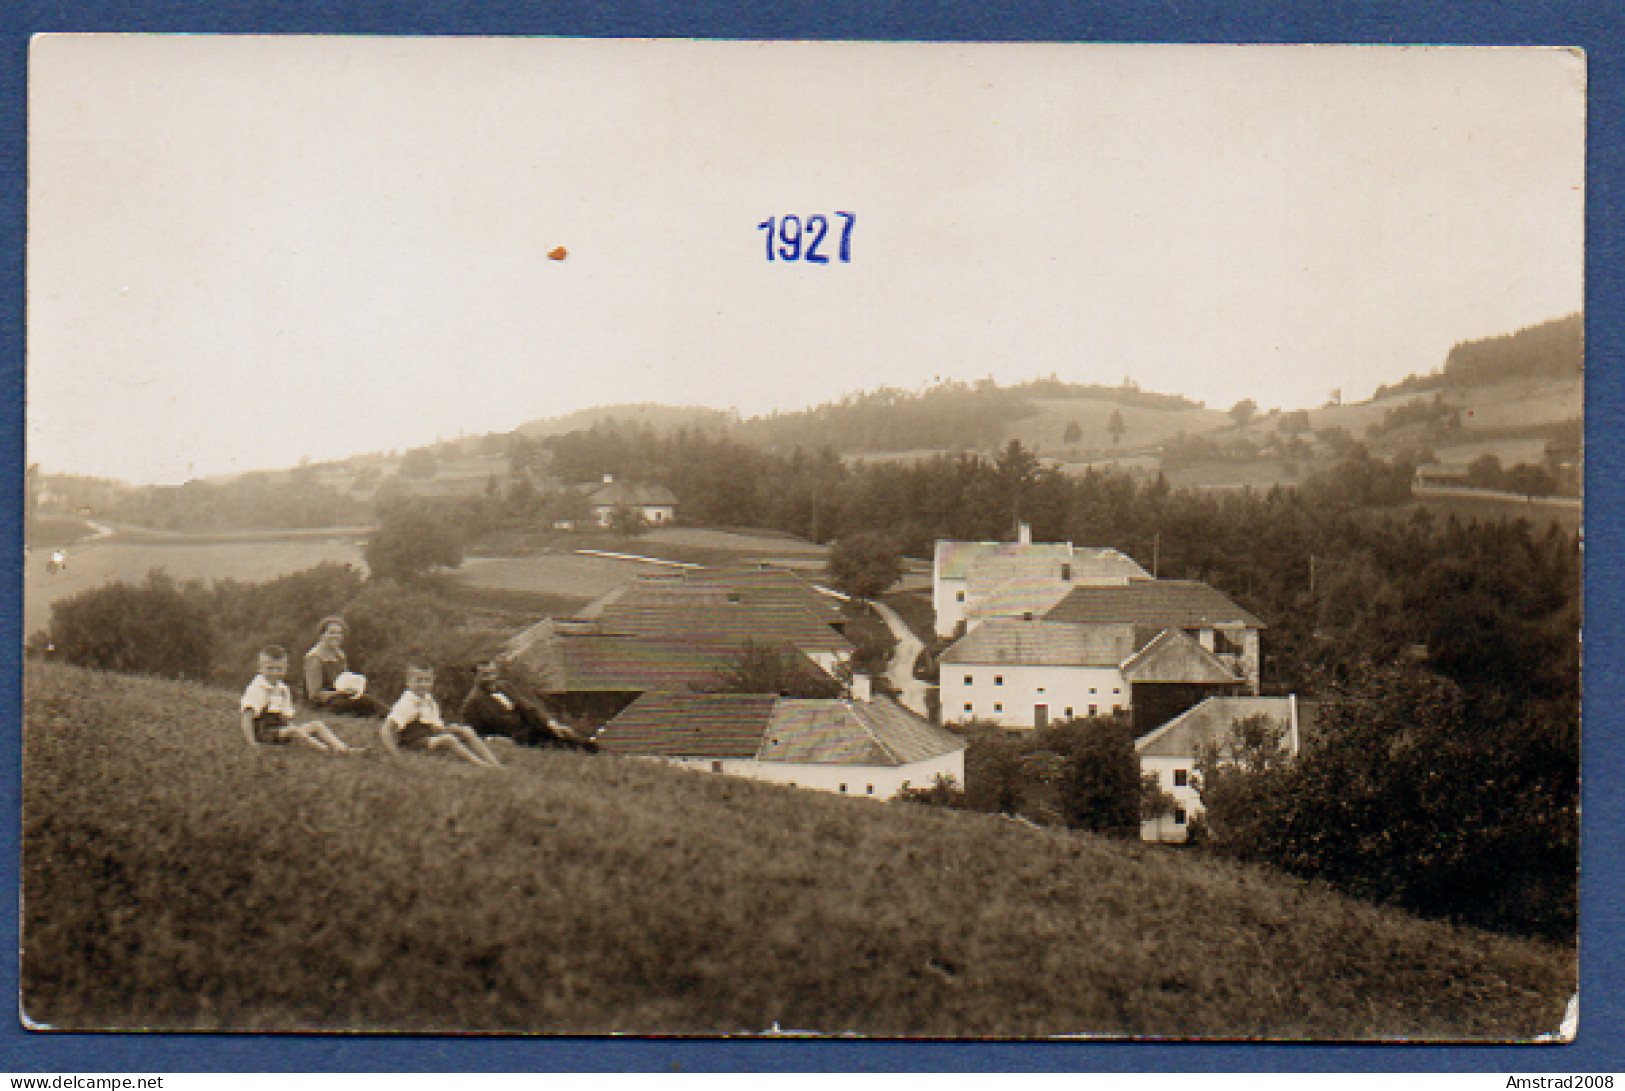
<point x="267" y="711"/>
<point x="415" y="724"/>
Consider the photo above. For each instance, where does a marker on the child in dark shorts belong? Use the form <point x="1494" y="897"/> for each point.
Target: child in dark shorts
<point x="267" y="711"/>
<point x="415" y="724"/>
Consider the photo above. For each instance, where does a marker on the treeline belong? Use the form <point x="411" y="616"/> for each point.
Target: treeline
<point x="950" y="415"/>
<point x="253" y="501"/>
<point x="1549" y="350"/>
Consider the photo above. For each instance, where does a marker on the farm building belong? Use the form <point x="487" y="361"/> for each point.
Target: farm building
<point x="848" y="746"/>
<point x="1171" y="751"/>
<point x="1208" y="616"/>
<point x="973" y="582"/>
<point x="1026" y="673"/>
<point x="655" y="503"/>
<point x="761" y="585"/>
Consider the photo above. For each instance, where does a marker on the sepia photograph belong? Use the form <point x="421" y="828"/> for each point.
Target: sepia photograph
<point x="904" y="540"/>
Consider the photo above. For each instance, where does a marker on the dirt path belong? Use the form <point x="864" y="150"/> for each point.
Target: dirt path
<point x="910" y="690"/>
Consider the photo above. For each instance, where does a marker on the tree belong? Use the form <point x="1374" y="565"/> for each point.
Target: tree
<point x="1100" y="789"/>
<point x="411" y="541"/>
<point x="1243" y="412"/>
<point x="1116" y="426"/>
<point x="865" y="564"/>
<point x="628" y="522"/>
<point x="1293" y="423"/>
<point x="768" y="668"/>
<point x="420" y="462"/>
<point x="1154" y="802"/>
<point x="1072" y="434"/>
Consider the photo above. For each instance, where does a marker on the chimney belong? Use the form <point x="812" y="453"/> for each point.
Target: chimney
<point x="1024" y="533"/>
<point x="862" y="690"/>
<point x="609" y="479"/>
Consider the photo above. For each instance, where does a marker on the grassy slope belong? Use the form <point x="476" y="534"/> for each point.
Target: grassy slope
<point x="174" y="878"/>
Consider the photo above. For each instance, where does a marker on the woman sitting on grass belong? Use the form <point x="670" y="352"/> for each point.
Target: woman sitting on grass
<point x="329" y="683"/>
<point x="267" y="711"/>
<point x="415" y="724"/>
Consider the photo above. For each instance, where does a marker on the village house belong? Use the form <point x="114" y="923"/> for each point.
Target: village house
<point x="973" y="582"/>
<point x="1151" y="606"/>
<point x="1028" y="673"/>
<point x="656" y="503"/>
<point x="1171" y="751"/>
<point x="847" y="746"/>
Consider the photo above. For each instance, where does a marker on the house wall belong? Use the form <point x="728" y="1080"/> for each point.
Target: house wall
<point x="603" y="514"/>
<point x="1168" y="828"/>
<point x="945" y="597"/>
<point x="1024" y="687"/>
<point x="884" y="780"/>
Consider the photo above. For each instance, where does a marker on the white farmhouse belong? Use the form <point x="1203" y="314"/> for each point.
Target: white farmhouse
<point x="847" y="746"/>
<point x="972" y="582"/>
<point x="1171" y="751"/>
<point x="656" y="503"/>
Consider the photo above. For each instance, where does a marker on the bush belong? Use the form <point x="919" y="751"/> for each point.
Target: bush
<point x="865" y="564"/>
<point x="154" y="627"/>
<point x="411" y="541"/>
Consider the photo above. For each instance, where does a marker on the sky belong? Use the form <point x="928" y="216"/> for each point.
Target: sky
<point x="244" y="252"/>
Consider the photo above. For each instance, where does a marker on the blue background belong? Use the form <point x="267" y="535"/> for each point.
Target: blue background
<point x="1595" y="27"/>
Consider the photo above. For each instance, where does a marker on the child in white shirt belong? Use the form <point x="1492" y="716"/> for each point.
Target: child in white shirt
<point x="415" y="724"/>
<point x="267" y="711"/>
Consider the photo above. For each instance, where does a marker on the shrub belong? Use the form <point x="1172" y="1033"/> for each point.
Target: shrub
<point x="154" y="627"/>
<point x="411" y="541"/>
<point x="865" y="564"/>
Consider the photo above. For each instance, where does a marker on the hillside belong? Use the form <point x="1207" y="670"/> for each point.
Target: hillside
<point x="172" y="878"/>
<point x="659" y="417"/>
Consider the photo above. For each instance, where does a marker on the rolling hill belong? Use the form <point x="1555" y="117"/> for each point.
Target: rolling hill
<point x="175" y="879"/>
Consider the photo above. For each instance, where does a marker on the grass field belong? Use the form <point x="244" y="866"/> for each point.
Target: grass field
<point x="173" y="878"/>
<point x="94" y="563"/>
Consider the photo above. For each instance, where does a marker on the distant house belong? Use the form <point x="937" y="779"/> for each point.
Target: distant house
<point x="1171" y="751"/>
<point x="973" y="582"/>
<point x="1151" y="606"/>
<point x="655" y="503"/>
<point x="1442" y="475"/>
<point x="1028" y="673"/>
<point x="848" y="746"/>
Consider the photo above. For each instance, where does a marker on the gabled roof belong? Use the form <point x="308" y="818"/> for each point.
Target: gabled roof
<point x="999" y="561"/>
<point x="1040" y="643"/>
<point x="766" y="585"/>
<point x="632" y="494"/>
<point x="727" y="622"/>
<point x="1210" y="722"/>
<point x="641" y="590"/>
<point x="1014" y="598"/>
<point x="1160" y="604"/>
<point x="689" y="725"/>
<point x="784" y="730"/>
<point x="1172" y="656"/>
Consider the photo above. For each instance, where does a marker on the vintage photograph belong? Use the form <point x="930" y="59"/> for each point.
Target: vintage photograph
<point x="906" y="540"/>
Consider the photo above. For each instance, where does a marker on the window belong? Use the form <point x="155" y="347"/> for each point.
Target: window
<point x="869" y="789"/>
<point x="1116" y="690"/>
<point x="1093" y="709"/>
<point x="959" y="596"/>
<point x="997" y="707"/>
<point x="716" y="767"/>
<point x="968" y="707"/>
<point x="969" y="679"/>
<point x="998" y="679"/>
<point x="1179" y="816"/>
<point x="1181" y="778"/>
<point x="1066" y="572"/>
<point x="843" y="791"/>
<point x="1069" y="712"/>
<point x="1040" y="689"/>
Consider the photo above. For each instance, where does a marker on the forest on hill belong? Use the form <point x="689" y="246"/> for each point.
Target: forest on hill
<point x="1552" y="349"/>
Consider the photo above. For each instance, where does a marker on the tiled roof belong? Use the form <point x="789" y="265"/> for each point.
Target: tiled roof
<point x="1040" y="643"/>
<point x="631" y="494"/>
<point x="1162" y="604"/>
<point x="582" y="657"/>
<point x="776" y="729"/>
<point x="766" y="586"/>
<point x="690" y="725"/>
<point x="1172" y="656"/>
<point x="1015" y="598"/>
<point x="1210" y="721"/>
<point x="733" y="623"/>
<point x="952" y="560"/>
<point x="663" y="588"/>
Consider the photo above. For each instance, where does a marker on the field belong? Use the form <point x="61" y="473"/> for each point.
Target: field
<point x="256" y="557"/>
<point x="173" y="878"/>
<point x="1045" y="432"/>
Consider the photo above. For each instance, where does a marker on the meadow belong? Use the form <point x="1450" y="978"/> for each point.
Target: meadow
<point x="174" y="878"/>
